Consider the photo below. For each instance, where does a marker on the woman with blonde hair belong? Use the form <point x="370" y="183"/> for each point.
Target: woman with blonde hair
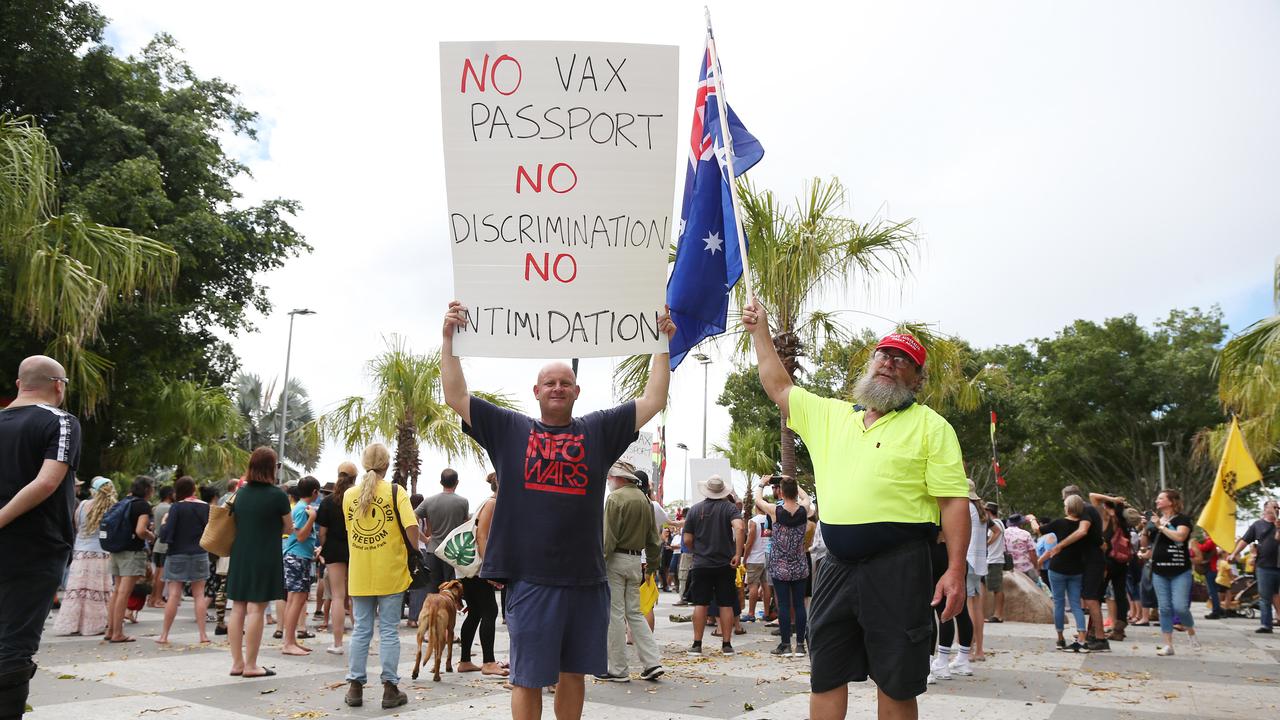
<point x="381" y="526"/>
<point x="84" y="606"/>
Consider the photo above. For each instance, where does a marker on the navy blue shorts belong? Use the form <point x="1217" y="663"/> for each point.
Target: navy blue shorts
<point x="555" y="629"/>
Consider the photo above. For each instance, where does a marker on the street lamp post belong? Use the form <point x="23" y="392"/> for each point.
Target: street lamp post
<point x="1161" y="445"/>
<point x="687" y="494"/>
<point x="284" y="392"/>
<point x="706" y="364"/>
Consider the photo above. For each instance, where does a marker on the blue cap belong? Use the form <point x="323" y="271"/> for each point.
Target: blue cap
<point x="99" y="483"/>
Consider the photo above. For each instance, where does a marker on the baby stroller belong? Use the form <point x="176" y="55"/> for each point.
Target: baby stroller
<point x="1244" y="598"/>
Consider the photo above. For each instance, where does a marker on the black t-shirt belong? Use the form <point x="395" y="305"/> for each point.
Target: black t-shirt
<point x="183" y="526"/>
<point x="1264" y="533"/>
<point x="1092" y="539"/>
<point x="711" y="524"/>
<point x="1070" y="559"/>
<point x="549" y="527"/>
<point x="29" y="435"/>
<point x="139" y="509"/>
<point x="1169" y="557"/>
<point x="329" y="516"/>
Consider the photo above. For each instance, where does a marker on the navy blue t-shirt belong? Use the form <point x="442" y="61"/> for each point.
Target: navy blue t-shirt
<point x="548" y="523"/>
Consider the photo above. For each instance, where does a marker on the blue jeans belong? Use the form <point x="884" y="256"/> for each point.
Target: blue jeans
<point x="790" y="594"/>
<point x="1066" y="588"/>
<point x="387" y="609"/>
<point x="1268" y="585"/>
<point x="1173" y="595"/>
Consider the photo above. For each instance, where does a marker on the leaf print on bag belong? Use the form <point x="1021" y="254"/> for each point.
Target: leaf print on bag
<point x="460" y="550"/>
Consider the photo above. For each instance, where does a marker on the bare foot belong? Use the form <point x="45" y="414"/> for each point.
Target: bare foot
<point x="468" y="666"/>
<point x="493" y="669"/>
<point x="295" y="650"/>
<point x="162" y="641"/>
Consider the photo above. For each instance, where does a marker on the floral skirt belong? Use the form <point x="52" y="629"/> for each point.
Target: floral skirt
<point x="84" y="604"/>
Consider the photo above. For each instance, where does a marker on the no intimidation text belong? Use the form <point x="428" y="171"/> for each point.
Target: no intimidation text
<point x="555" y="326"/>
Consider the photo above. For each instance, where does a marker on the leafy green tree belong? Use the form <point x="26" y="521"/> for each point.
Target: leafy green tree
<point x="407" y="408"/>
<point x="750" y="409"/>
<point x="141" y="146"/>
<point x="1085" y="406"/>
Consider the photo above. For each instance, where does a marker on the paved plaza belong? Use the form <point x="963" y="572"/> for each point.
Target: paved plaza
<point x="1236" y="675"/>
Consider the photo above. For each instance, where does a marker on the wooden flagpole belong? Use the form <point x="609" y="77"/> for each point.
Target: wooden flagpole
<point x="728" y="156"/>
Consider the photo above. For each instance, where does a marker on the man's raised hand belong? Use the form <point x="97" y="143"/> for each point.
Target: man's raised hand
<point x="753" y="316"/>
<point x="455" y="317"/>
<point x="665" y="325"/>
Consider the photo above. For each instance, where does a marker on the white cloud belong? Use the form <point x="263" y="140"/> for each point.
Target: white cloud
<point x="1064" y="160"/>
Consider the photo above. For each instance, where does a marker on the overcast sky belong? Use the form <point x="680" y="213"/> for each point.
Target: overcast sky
<point x="1063" y="160"/>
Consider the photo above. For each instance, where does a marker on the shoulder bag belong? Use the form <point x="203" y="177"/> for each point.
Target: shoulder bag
<point x="419" y="577"/>
<point x="220" y="533"/>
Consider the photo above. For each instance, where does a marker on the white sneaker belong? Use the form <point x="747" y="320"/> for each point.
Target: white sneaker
<point x="1195" y="643"/>
<point x="931" y="680"/>
<point x="335" y="650"/>
<point x="1165" y="650"/>
<point x="961" y="666"/>
<point x="939" y="668"/>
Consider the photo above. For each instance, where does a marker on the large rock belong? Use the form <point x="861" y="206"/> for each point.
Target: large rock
<point x="1023" y="601"/>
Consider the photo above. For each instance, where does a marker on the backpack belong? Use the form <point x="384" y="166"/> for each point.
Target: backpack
<point x="115" y="531"/>
<point x="1121" y="549"/>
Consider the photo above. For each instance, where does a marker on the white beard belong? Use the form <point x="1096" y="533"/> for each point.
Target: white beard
<point x="875" y="393"/>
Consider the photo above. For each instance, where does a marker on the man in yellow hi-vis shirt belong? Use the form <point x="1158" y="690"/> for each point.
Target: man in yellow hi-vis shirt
<point x="887" y="471"/>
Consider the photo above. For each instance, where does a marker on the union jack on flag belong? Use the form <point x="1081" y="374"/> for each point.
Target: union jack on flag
<point x="708" y="260"/>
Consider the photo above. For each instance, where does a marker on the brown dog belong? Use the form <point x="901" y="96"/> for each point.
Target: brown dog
<point x="435" y="624"/>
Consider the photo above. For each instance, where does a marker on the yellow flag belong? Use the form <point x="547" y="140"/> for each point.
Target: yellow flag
<point x="1236" y="471"/>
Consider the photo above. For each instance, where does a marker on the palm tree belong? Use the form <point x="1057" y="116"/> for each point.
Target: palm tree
<point x="199" y="428"/>
<point x="407" y="407"/>
<point x="60" y="274"/>
<point x="260" y="408"/>
<point x="797" y="254"/>
<point x="1249" y="387"/>
<point x="749" y="453"/>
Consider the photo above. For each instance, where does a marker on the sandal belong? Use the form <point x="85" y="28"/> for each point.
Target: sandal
<point x="305" y="635"/>
<point x="266" y="672"/>
<point x="279" y="634"/>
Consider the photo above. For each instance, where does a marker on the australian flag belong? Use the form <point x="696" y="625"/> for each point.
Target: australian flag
<point x="708" y="261"/>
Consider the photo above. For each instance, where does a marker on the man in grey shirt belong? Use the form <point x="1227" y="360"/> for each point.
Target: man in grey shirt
<point x="443" y="512"/>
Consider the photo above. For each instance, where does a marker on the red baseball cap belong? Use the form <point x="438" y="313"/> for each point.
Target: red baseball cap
<point x="907" y="344"/>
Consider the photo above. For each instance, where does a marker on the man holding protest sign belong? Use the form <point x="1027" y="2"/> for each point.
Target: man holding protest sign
<point x="546" y="541"/>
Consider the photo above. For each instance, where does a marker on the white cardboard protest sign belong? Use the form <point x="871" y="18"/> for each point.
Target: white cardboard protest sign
<point x="640" y="452"/>
<point x="560" y="171"/>
<point x="702" y="468"/>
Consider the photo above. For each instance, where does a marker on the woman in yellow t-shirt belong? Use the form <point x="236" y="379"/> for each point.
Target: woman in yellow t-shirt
<point x="380" y="524"/>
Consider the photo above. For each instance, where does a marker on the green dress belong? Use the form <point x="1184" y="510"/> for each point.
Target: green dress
<point x="257" y="564"/>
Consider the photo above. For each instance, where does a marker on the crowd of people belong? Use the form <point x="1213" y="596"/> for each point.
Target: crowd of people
<point x="889" y="579"/>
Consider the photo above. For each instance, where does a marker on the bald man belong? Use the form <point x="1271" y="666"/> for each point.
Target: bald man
<point x="39" y="451"/>
<point x="546" y="541"/>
